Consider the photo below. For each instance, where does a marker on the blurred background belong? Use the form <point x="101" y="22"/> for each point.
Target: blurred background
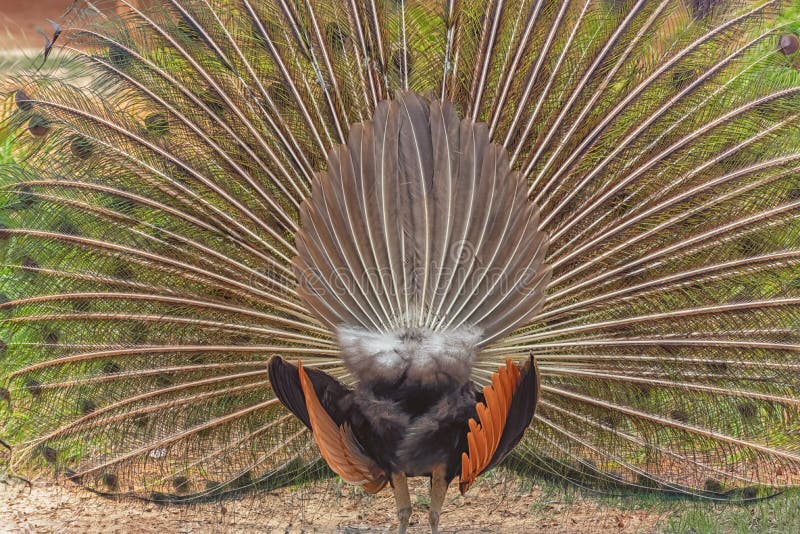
<point x="19" y="20"/>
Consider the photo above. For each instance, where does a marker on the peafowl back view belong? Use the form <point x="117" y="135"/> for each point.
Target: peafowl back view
<point x="436" y="231"/>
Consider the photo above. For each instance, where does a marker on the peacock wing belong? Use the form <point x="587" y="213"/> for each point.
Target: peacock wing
<point x="332" y="432"/>
<point x="504" y="415"/>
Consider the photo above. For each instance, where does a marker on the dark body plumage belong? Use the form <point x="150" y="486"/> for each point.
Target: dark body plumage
<point x="403" y="427"/>
<point x="407" y="427"/>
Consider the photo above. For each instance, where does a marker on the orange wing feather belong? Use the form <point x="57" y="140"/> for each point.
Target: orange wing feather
<point x="484" y="437"/>
<point x="337" y="443"/>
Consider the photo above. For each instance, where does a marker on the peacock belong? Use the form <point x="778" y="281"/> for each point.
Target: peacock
<point x="247" y="243"/>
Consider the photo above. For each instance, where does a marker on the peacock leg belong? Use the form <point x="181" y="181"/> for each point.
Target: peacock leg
<point x="403" y="501"/>
<point x="438" y="490"/>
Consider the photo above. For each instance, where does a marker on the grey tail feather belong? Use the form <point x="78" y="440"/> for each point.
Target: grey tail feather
<point x="419" y="222"/>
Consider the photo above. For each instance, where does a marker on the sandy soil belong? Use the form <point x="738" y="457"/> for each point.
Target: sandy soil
<point x="489" y="507"/>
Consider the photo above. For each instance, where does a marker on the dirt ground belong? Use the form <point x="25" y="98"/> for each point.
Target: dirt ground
<point x="488" y="507"/>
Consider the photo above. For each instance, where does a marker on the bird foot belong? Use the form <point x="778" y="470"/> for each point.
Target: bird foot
<point x="433" y="517"/>
<point x="403" y="517"/>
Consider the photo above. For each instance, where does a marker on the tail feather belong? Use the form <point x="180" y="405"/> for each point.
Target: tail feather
<point x="506" y="273"/>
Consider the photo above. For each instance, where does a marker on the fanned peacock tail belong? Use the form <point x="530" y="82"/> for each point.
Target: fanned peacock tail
<point x="148" y="235"/>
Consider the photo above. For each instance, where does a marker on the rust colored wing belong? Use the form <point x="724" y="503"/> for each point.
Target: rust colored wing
<point x="509" y="406"/>
<point x="337" y="444"/>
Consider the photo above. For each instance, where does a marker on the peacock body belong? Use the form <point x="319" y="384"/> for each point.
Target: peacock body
<point x="458" y="215"/>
